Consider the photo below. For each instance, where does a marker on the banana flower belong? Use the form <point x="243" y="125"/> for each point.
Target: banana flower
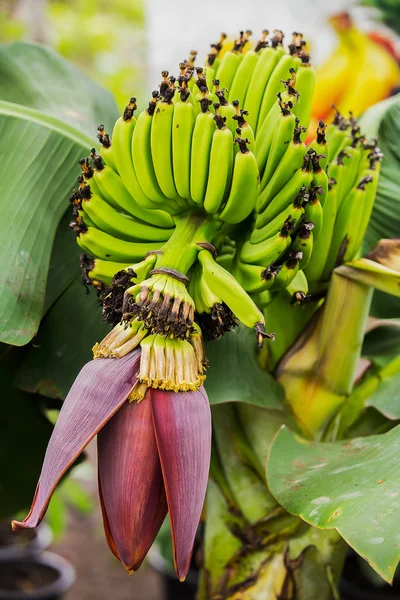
<point x="153" y="458"/>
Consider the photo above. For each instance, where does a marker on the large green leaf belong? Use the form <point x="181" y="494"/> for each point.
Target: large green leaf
<point x="386" y="398"/>
<point x="383" y="120"/>
<point x="352" y="486"/>
<point x="25" y="433"/>
<point x="235" y="375"/>
<point x="38" y="157"/>
<point x="35" y="76"/>
<point x="63" y="345"/>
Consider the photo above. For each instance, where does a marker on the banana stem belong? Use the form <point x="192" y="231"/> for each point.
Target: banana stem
<point x="181" y="250"/>
<point x="318" y="373"/>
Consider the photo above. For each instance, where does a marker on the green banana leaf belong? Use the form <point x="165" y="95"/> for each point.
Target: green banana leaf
<point x="386" y="399"/>
<point x="63" y="345"/>
<point x="235" y="374"/>
<point x="38" y="168"/>
<point x="24" y="435"/>
<point x="352" y="486"/>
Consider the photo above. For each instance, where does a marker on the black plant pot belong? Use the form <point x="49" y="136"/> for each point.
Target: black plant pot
<point x="27" y="541"/>
<point x="45" y="576"/>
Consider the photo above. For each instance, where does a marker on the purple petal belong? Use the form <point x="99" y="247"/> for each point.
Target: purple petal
<point x="182" y="423"/>
<point x="100" y="389"/>
<point x="130" y="483"/>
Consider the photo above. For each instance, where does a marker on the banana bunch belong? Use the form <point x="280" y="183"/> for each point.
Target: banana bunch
<point x="309" y="220"/>
<point x="198" y="211"/>
<point x="359" y="73"/>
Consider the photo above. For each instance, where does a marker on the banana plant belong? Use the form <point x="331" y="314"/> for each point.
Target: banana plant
<point x="201" y="212"/>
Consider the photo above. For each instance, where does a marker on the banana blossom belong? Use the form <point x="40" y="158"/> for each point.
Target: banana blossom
<point x="153" y="458"/>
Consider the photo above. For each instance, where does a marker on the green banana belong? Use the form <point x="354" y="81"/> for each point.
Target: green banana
<point x="372" y="171"/>
<point x="220" y="167"/>
<point x="287" y="272"/>
<point x="104" y="270"/>
<point x="274" y="84"/>
<point x="182" y="132"/>
<point x="103" y="245"/>
<point x="224" y="285"/>
<point x="303" y="243"/>
<point x="347" y="225"/>
<point x="230" y="61"/>
<point x="225" y="108"/>
<point x="313" y="208"/>
<point x="280" y="142"/>
<point x="320" y="177"/>
<point x="245" y="71"/>
<point x="119" y="225"/>
<point x="107" y="148"/>
<point x="285" y="184"/>
<point x="294" y="212"/>
<point x="298" y="287"/>
<point x="245" y="186"/>
<point x="269" y="57"/>
<point x="161" y="144"/>
<point x="270" y="250"/>
<point x="122" y="149"/>
<point x="321" y="146"/>
<point x="315" y="268"/>
<point x="251" y="277"/>
<point x="305" y="84"/>
<point x="201" y="146"/>
<point x="350" y="172"/>
<point x="112" y="186"/>
<point x="142" y="156"/>
<point x="245" y="130"/>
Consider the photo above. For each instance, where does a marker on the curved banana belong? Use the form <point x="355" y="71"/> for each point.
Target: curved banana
<point x="103" y="245"/>
<point x="204" y="129"/>
<point x="224" y="285"/>
<point x="161" y="144"/>
<point x="284" y="132"/>
<point x="107" y="148"/>
<point x="315" y="268"/>
<point x="320" y="145"/>
<point x="251" y="277"/>
<point x="287" y="271"/>
<point x="182" y="132"/>
<point x="112" y="187"/>
<point x="220" y="167"/>
<point x="141" y="153"/>
<point x="270" y="250"/>
<point x="283" y="187"/>
<point x="119" y="225"/>
<point x="303" y="243"/>
<point x="305" y="84"/>
<point x="122" y="149"/>
<point x="294" y="212"/>
<point x="245" y="186"/>
<point x="230" y="63"/>
<point x="269" y="57"/>
<point x="104" y="270"/>
<point x="245" y="71"/>
<point x="274" y="85"/>
<point x="313" y="209"/>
